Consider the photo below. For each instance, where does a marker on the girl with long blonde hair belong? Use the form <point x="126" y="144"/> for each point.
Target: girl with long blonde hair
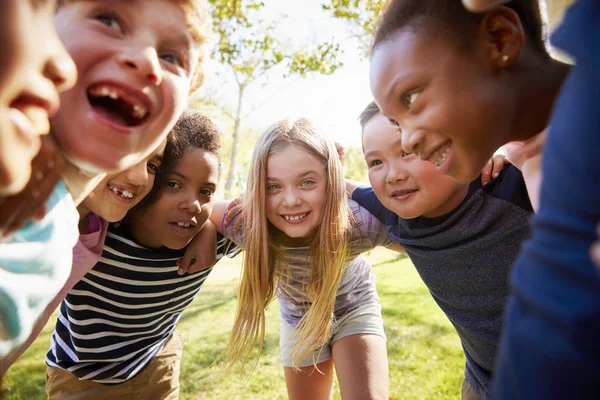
<point x="302" y="240"/>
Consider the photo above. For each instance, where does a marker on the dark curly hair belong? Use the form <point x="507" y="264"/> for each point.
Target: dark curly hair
<point x="450" y="17"/>
<point x="192" y="131"/>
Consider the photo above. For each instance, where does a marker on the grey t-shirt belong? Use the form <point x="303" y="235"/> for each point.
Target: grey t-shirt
<point x="465" y="257"/>
<point x="357" y="286"/>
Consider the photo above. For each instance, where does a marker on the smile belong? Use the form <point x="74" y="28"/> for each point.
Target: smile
<point x="403" y="194"/>
<point x="295" y="217"/>
<point x="118" y="105"/>
<point x="439" y="155"/>
<point x="121" y="192"/>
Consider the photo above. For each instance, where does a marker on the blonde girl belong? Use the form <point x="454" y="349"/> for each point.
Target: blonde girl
<point x="302" y="240"/>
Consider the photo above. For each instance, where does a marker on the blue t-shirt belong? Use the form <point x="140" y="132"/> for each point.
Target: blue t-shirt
<point x="34" y="265"/>
<point x="464" y="257"/>
<point x="550" y="347"/>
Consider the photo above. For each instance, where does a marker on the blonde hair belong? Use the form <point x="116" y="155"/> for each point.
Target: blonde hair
<point x="263" y="255"/>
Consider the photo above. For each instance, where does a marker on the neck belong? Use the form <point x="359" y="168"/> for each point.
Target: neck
<point x="538" y="83"/>
<point x="450" y="205"/>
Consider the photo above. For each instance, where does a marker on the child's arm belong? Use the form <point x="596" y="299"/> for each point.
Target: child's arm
<point x="527" y="156"/>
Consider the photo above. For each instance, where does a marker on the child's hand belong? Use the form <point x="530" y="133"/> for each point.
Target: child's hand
<point x="595" y="250"/>
<point x="340" y="150"/>
<point x="46" y="170"/>
<point x="234" y="208"/>
<point x="201" y="253"/>
<point x="493" y="167"/>
<point x="527" y="156"/>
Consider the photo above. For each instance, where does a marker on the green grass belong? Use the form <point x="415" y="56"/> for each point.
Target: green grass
<point x="425" y="356"/>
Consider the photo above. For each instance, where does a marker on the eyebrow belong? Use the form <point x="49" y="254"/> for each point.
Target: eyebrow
<point x="397" y="82"/>
<point x="397" y="142"/>
<point x="302" y="175"/>
<point x="179" y="174"/>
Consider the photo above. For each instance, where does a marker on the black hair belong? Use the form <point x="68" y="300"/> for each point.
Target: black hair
<point x="192" y="131"/>
<point x="368" y="113"/>
<point x="452" y="18"/>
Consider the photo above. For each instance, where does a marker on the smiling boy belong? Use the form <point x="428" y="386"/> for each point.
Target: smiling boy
<point x="462" y="238"/>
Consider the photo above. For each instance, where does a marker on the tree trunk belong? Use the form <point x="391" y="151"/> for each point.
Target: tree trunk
<point x="234" y="144"/>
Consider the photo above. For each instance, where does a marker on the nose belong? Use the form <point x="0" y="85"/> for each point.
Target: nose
<point x="412" y="140"/>
<point x="59" y="67"/>
<point x="191" y="204"/>
<point x="396" y="173"/>
<point x="138" y="174"/>
<point x="143" y="60"/>
<point x="291" y="198"/>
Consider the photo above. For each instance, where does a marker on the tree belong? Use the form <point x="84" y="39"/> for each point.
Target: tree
<point x="361" y="15"/>
<point x="248" y="45"/>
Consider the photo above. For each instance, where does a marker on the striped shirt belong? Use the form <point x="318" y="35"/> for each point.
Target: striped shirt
<point x="357" y="286"/>
<point x="118" y="317"/>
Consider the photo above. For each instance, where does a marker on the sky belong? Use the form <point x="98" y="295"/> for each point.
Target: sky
<point x="333" y="102"/>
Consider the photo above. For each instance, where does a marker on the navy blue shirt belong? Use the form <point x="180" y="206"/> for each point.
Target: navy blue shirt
<point x="551" y="341"/>
<point x="464" y="257"/>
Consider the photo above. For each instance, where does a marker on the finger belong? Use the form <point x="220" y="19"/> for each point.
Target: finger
<point x="498" y="163"/>
<point x="185" y="263"/>
<point x="486" y="172"/>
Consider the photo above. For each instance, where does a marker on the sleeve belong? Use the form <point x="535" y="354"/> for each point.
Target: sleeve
<point x="234" y="235"/>
<point x="367" y="231"/>
<point x="226" y="247"/>
<point x="366" y="198"/>
<point x="34" y="264"/>
<point x="550" y="346"/>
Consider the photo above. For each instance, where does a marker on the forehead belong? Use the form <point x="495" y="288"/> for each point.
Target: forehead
<point x="379" y="134"/>
<point x="198" y="165"/>
<point x="291" y="161"/>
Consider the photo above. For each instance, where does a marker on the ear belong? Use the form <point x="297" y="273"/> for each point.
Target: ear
<point x="502" y="36"/>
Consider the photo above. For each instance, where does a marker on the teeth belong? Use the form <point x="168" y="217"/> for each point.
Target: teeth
<point x="294" y="217"/>
<point x="139" y="111"/>
<point x="124" y="194"/>
<point x="183" y="224"/>
<point x="442" y="155"/>
<point x="104" y="91"/>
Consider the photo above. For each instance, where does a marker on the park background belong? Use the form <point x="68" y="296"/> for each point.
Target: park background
<point x="273" y="59"/>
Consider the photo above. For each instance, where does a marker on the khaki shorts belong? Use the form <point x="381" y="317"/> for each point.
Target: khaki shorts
<point x="159" y="380"/>
<point x="364" y="320"/>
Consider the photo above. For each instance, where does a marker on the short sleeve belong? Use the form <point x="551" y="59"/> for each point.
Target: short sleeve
<point x="368" y="232"/>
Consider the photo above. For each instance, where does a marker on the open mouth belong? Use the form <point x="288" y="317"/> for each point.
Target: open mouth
<point x="439" y="155"/>
<point x="294" y="218"/>
<point x="184" y="227"/>
<point x="121" y="192"/>
<point x="30" y="115"/>
<point x="118" y="106"/>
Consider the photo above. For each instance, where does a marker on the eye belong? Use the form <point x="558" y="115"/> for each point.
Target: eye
<point x="374" y="163"/>
<point x="207" y="192"/>
<point x="409" y="98"/>
<point x="172" y="59"/>
<point x="152" y="166"/>
<point x="273" y="188"/>
<point x="307" y="182"/>
<point x="110" y="19"/>
<point x="405" y="154"/>
<point x="173" y="185"/>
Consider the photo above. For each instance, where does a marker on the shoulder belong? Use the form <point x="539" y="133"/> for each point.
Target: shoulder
<point x="365" y="197"/>
<point x="510" y="186"/>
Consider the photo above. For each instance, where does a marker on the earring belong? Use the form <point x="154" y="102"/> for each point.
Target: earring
<point x="505" y="58"/>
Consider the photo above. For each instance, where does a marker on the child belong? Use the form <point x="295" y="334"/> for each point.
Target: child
<point x="302" y="243"/>
<point x="34" y="67"/>
<point x="109" y="202"/>
<point x="115" y="333"/>
<point x="135" y="73"/>
<point x="500" y="86"/>
<point x="462" y="238"/>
